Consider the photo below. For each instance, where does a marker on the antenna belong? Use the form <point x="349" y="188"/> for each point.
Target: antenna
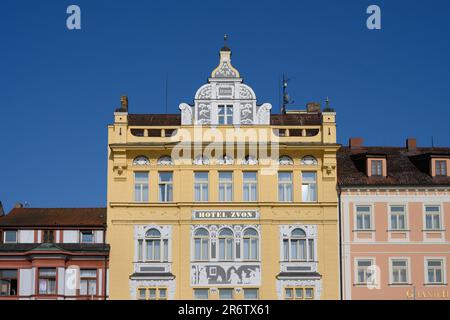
<point x="432" y="141"/>
<point x="286" y="97"/>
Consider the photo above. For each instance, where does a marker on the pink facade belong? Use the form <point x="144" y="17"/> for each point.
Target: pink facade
<point x="395" y="242"/>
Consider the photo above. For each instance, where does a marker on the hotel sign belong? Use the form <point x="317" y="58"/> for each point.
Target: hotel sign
<point x="225" y="214"/>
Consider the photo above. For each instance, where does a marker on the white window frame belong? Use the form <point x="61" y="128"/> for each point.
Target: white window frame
<point x="378" y="169"/>
<point x="204" y="185"/>
<point x="436" y="168"/>
<point x="228" y="186"/>
<point x="441" y="218"/>
<point x="202" y="240"/>
<point x="309" y="184"/>
<point x="163" y="196"/>
<point x="141" y="196"/>
<point x="408" y="271"/>
<point x="248" y="184"/>
<point x="356" y="269"/>
<point x="163" y="242"/>
<point x="250" y="239"/>
<point x="17" y="236"/>
<point x="355" y="218"/>
<point x="405" y="208"/>
<point x="86" y="231"/>
<point x="307" y="240"/>
<point x="226" y="116"/>
<point x="227" y="240"/>
<point x="443" y="268"/>
<point x="286" y="196"/>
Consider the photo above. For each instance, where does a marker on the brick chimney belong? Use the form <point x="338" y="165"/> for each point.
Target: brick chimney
<point x="355" y="143"/>
<point x="2" y="211"/>
<point x="411" y="144"/>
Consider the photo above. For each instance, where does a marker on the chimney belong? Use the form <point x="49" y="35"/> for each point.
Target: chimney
<point x="123" y="104"/>
<point x="2" y="211"/>
<point x="312" y="107"/>
<point x="18" y="205"/>
<point x="355" y="143"/>
<point x="411" y="144"/>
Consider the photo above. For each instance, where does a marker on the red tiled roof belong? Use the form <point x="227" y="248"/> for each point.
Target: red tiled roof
<point x="403" y="169"/>
<point x="53" y="217"/>
<point x="175" y="119"/>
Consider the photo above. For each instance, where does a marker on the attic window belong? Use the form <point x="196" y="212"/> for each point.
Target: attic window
<point x="10" y="236"/>
<point x="376" y="168"/>
<point x="440" y="167"/>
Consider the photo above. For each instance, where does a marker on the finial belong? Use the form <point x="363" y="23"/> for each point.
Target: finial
<point x="225" y="39"/>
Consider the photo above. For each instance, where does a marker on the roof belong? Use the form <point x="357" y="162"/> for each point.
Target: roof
<point x="70" y="247"/>
<point x="175" y="119"/>
<point x="404" y="167"/>
<point x="55" y="217"/>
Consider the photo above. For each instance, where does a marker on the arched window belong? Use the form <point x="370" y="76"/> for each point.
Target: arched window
<point x="297" y="247"/>
<point x="226" y="244"/>
<point x="201" y="160"/>
<point x="250" y="160"/>
<point x="153" y="248"/>
<point x="141" y="161"/>
<point x="251" y="244"/>
<point x="285" y="161"/>
<point x="165" y="161"/>
<point x="309" y="161"/>
<point x="201" y="244"/>
<point x="225" y="160"/>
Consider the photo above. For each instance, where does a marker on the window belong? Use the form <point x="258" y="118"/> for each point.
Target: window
<point x="225" y="114"/>
<point x="156" y="248"/>
<point x="309" y="187"/>
<point x="285" y="186"/>
<point x="251" y="244"/>
<point x="250" y="160"/>
<point x="399" y="271"/>
<point x="225" y="186"/>
<point x="141" y="186"/>
<point x="285" y="161"/>
<point x="49" y="236"/>
<point x="441" y="168"/>
<point x="376" y="168"/>
<point x="201" y="244"/>
<point x="8" y="283"/>
<point x="141" y="161"/>
<point x="226" y="294"/>
<point x="225" y="160"/>
<point x="308" y="161"/>
<point x="152" y="294"/>
<point x="363" y="218"/>
<point x="398" y="218"/>
<point x="10" y="236"/>
<point x="250" y="186"/>
<point x="47" y="281"/>
<point x="165" y="186"/>
<point x="201" y="294"/>
<point x="298" y="293"/>
<point x="297" y="247"/>
<point x="165" y="161"/>
<point x="88" y="282"/>
<point x="226" y="243"/>
<point x="364" y="271"/>
<point x="433" y="218"/>
<point x="87" y="236"/>
<point x="251" y="294"/>
<point x="201" y="186"/>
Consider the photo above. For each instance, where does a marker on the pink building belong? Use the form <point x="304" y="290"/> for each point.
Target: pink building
<point x="395" y="221"/>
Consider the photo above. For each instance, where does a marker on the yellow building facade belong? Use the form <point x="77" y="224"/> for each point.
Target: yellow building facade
<point x="224" y="200"/>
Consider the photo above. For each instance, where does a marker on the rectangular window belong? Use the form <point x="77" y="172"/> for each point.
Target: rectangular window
<point x="88" y="282"/>
<point x="435" y="271"/>
<point x="285" y="186"/>
<point x="141" y="186"/>
<point x="225" y="186"/>
<point x="142" y="294"/>
<point x="165" y="187"/>
<point x="49" y="236"/>
<point x="399" y="271"/>
<point x="226" y="294"/>
<point x="250" y="186"/>
<point x="201" y="186"/>
<point x="309" y="186"/>
<point x="398" y="218"/>
<point x="87" y="236"/>
<point x="363" y="218"/>
<point x="433" y="218"/>
<point x="152" y="294"/>
<point x="8" y="283"/>
<point x="201" y="294"/>
<point x="251" y="294"/>
<point x="377" y="168"/>
<point x="47" y="281"/>
<point x="441" y="168"/>
<point x="364" y="271"/>
<point x="10" y="236"/>
<point x="298" y="293"/>
<point x="225" y="113"/>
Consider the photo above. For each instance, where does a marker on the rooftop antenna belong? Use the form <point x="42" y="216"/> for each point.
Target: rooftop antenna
<point x="286" y="97"/>
<point x="225" y="39"/>
<point x="432" y="141"/>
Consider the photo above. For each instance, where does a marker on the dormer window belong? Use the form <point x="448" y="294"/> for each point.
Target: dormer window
<point x="87" y="236"/>
<point x="376" y="167"/>
<point x="10" y="236"/>
<point x="225" y="113"/>
<point x="440" y="167"/>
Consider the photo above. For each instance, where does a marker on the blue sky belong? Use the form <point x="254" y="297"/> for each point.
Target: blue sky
<point x="59" y="88"/>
